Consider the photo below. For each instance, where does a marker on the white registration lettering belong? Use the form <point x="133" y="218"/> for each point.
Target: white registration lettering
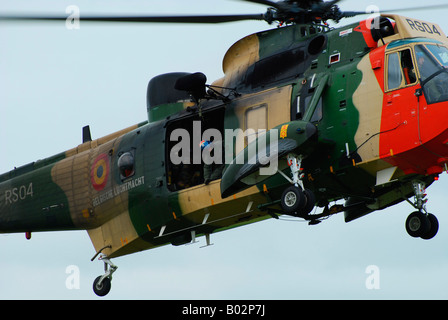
<point x="19" y="193"/>
<point x="422" y="26"/>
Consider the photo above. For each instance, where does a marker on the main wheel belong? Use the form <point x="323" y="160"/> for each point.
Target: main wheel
<point x="433" y="228"/>
<point x="417" y="224"/>
<point x="103" y="288"/>
<point x="292" y="199"/>
<point x="310" y="201"/>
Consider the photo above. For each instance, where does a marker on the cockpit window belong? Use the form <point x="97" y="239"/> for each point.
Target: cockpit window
<point x="427" y="65"/>
<point x="400" y="70"/>
<point x="432" y="63"/>
<point x="394" y="73"/>
<point x="441" y="54"/>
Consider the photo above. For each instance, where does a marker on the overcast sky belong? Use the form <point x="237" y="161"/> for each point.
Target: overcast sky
<point x="53" y="81"/>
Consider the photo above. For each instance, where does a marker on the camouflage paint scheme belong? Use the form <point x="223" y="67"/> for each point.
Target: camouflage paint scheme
<point x="367" y="144"/>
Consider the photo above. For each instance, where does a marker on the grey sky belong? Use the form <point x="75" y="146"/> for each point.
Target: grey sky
<point x="53" y="81"/>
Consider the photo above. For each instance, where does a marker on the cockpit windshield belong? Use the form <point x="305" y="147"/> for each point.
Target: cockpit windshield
<point x="432" y="61"/>
<point x="441" y="54"/>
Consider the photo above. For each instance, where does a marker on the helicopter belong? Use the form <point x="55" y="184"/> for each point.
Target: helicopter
<point x="336" y="112"/>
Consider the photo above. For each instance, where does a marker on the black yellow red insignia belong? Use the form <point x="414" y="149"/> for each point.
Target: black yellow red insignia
<point x="100" y="172"/>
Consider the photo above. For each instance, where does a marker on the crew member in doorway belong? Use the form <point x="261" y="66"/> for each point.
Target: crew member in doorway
<point x="213" y="164"/>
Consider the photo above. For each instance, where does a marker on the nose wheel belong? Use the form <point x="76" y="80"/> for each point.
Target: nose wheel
<point x="421" y="224"/>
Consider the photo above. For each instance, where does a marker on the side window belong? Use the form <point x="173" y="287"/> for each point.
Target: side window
<point x="126" y="165"/>
<point x="400" y="70"/>
<point x="277" y="67"/>
<point x="317" y="115"/>
<point x="410" y="76"/>
<point x="393" y="71"/>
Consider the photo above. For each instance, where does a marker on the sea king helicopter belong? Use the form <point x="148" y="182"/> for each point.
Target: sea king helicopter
<point x="304" y="116"/>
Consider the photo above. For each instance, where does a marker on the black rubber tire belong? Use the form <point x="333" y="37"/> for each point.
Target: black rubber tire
<point x="434" y="227"/>
<point x="292" y="199"/>
<point x="417" y="224"/>
<point x="102" y="289"/>
<point x="310" y="201"/>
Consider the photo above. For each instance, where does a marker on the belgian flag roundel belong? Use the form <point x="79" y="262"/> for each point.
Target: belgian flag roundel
<point x="100" y="172"/>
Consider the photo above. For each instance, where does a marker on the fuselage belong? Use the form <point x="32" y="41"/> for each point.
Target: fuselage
<point x="379" y="117"/>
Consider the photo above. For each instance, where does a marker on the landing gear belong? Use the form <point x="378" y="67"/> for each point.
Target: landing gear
<point x="292" y="199"/>
<point x="102" y="284"/>
<point x="421" y="224"/>
<point x="434" y="227"/>
<point x="296" y="200"/>
<point x="417" y="224"/>
<point x="101" y="288"/>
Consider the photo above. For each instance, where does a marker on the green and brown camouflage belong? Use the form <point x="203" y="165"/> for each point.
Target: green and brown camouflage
<point x="316" y="86"/>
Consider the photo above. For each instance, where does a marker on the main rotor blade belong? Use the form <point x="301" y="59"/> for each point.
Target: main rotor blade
<point x="329" y="4"/>
<point x="157" y="19"/>
<point x="266" y="3"/>
<point x="432" y="7"/>
<point x="349" y="14"/>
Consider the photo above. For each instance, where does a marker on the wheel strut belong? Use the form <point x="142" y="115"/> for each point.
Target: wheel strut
<point x="296" y="199"/>
<point x="295" y="165"/>
<point x="421" y="223"/>
<point x="102" y="284"/>
<point x="419" y="191"/>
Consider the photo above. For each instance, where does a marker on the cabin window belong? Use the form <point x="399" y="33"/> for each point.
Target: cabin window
<point x="317" y="115"/>
<point x="126" y="165"/>
<point x="400" y="70"/>
<point x="285" y="65"/>
<point x="301" y="106"/>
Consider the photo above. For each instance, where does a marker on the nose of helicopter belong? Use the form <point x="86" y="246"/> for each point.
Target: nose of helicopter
<point x="419" y="144"/>
<point x="430" y="153"/>
<point x="433" y="137"/>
